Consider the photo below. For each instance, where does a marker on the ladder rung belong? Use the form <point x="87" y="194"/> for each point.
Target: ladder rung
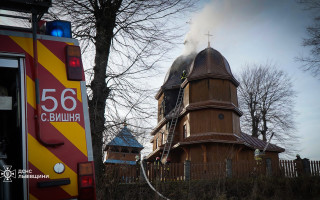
<point x="167" y="146"/>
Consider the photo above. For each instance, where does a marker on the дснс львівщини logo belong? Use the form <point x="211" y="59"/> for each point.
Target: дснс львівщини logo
<point x="7" y="173"/>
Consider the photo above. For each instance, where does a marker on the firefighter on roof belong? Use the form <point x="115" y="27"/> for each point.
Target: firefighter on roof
<point x="183" y="75"/>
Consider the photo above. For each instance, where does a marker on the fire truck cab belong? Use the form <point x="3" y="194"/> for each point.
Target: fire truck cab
<point x="45" y="139"/>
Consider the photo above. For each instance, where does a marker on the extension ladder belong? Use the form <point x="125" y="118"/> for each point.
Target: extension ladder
<point x="172" y="127"/>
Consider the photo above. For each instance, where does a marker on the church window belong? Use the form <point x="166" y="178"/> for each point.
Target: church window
<point x="229" y="168"/>
<point x="184" y="130"/>
<point x="162" y="107"/>
<point x="269" y="166"/>
<point x="163" y="141"/>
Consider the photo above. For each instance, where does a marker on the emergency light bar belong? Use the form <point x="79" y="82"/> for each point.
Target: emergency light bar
<point x="59" y="28"/>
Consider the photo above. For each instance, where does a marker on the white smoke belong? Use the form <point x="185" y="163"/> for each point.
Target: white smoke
<point x="229" y="15"/>
<point x="200" y="24"/>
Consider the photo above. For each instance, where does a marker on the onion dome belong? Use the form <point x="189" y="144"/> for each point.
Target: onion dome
<point x="210" y="63"/>
<point x="173" y="76"/>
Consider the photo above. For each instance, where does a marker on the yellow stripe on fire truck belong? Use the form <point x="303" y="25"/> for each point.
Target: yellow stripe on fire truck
<point x="43" y="159"/>
<point x="78" y="139"/>
<point x="49" y="61"/>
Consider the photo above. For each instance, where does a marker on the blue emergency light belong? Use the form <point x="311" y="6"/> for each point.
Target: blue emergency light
<point x="58" y="28"/>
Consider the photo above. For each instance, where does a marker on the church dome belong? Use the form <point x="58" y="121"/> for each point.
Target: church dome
<point x="173" y="76"/>
<point x="211" y="63"/>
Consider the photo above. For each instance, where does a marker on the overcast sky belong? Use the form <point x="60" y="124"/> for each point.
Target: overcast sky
<point x="251" y="31"/>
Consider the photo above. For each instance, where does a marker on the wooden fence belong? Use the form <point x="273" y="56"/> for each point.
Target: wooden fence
<point x="292" y="168"/>
<point x="133" y="173"/>
<point x="195" y="171"/>
<point x="169" y="172"/>
<point x="315" y="168"/>
<point x="200" y="171"/>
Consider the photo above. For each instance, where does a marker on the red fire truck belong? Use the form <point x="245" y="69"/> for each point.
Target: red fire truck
<point x="45" y="139"/>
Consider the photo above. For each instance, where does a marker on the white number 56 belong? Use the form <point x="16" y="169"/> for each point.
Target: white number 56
<point x="45" y="97"/>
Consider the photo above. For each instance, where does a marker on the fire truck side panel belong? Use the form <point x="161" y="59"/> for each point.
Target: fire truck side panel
<point x="64" y="114"/>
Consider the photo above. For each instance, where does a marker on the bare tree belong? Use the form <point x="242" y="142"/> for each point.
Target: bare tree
<point x="128" y="38"/>
<point x="266" y="97"/>
<point x="311" y="63"/>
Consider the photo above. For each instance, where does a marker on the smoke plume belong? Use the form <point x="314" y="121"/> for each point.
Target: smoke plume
<point x="200" y="24"/>
<point x="229" y="15"/>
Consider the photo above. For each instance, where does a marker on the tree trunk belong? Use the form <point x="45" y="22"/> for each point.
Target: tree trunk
<point x="254" y="118"/>
<point x="265" y="127"/>
<point x="105" y="22"/>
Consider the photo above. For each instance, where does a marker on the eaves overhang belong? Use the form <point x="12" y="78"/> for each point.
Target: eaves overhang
<point x="199" y="106"/>
<point x="210" y="76"/>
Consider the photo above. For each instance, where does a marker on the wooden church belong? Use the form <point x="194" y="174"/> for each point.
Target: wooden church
<point x="208" y="121"/>
<point x="123" y="149"/>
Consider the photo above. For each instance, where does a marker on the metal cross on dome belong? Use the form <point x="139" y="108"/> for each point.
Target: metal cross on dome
<point x="125" y="123"/>
<point x="209" y="35"/>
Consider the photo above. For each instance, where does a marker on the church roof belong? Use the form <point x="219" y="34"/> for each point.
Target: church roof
<point x="125" y="139"/>
<point x="247" y="140"/>
<point x="173" y="76"/>
<point x="211" y="63"/>
<point x="256" y="143"/>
